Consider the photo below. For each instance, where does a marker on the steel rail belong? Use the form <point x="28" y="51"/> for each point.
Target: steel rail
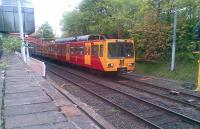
<point x="164" y="88"/>
<point x="160" y="95"/>
<point x="184" y="117"/>
<point x="108" y="101"/>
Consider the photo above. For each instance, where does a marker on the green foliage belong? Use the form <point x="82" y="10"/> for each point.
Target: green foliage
<point x="10" y="44"/>
<point x="45" y="31"/>
<point x="149" y="22"/>
<point x="3" y="64"/>
<point x="153" y="40"/>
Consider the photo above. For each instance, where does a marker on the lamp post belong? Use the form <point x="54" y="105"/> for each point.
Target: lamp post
<point x="174" y="38"/>
<point x="21" y="30"/>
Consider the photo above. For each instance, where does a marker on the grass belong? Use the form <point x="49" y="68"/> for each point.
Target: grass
<point x="185" y="71"/>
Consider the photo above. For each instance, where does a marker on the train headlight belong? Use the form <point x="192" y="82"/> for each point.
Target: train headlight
<point x="110" y="65"/>
<point x="131" y="64"/>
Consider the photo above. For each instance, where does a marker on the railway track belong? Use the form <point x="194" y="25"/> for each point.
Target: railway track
<point x="186" y="99"/>
<point x="153" y="115"/>
<point x="163" y="92"/>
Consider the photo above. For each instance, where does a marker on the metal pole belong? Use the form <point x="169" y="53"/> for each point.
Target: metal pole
<point x="21" y="30"/>
<point x="198" y="83"/>
<point x="27" y="54"/>
<point x="174" y="39"/>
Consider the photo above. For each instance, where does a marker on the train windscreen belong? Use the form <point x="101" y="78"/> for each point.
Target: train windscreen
<point x="120" y="50"/>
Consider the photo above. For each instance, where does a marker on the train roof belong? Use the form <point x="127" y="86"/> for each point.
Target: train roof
<point x="80" y="38"/>
<point x="69" y="39"/>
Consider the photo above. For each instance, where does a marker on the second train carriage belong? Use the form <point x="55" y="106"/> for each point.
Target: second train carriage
<point x="90" y="51"/>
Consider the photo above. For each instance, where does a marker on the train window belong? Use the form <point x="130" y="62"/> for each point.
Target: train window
<point x="76" y="50"/>
<point x="101" y="51"/>
<point x="95" y="50"/>
<point x="63" y="50"/>
<point x="54" y="48"/>
<point x="94" y="37"/>
<point x="81" y="50"/>
<point x="59" y="50"/>
<point x="119" y="49"/>
<point x="88" y="50"/>
<point x="72" y="50"/>
<point x="102" y="37"/>
<point x="50" y="49"/>
<point x="68" y="49"/>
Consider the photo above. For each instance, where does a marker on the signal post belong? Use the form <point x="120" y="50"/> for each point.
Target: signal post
<point x="198" y="84"/>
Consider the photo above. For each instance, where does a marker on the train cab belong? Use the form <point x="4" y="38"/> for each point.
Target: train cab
<point x="119" y="55"/>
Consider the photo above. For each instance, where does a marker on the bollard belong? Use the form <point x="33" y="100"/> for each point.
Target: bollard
<point x="44" y="69"/>
<point x="198" y="83"/>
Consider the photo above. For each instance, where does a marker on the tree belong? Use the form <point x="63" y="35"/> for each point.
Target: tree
<point x="148" y="21"/>
<point x="45" y="31"/>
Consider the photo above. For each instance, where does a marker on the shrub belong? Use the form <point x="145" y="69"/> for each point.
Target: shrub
<point x="10" y="44"/>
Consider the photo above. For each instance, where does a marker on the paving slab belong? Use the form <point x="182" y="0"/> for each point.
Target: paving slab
<point x="60" y="125"/>
<point x="21" y="89"/>
<point x="29" y="109"/>
<point x="26" y="101"/>
<point x="24" y="95"/>
<point x="18" y="80"/>
<point x="11" y="86"/>
<point x="33" y="119"/>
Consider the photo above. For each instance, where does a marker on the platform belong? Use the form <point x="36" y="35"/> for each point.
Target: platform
<point x="29" y="102"/>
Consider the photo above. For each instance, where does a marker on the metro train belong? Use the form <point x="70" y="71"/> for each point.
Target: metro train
<point x="88" y="51"/>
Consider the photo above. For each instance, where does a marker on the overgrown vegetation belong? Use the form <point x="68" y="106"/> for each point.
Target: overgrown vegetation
<point x="10" y="44"/>
<point x="149" y="22"/>
<point x="3" y="64"/>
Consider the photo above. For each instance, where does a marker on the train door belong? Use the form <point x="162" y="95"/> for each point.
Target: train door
<point x="87" y="53"/>
<point x="56" y="53"/>
<point x="59" y="52"/>
<point x="80" y="54"/>
<point x="73" y="57"/>
<point x="97" y="55"/>
<point x="67" y="52"/>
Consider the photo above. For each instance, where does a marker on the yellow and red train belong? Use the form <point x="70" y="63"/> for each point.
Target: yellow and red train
<point x="89" y="51"/>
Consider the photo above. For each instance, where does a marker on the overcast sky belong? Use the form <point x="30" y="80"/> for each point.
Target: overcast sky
<point x="52" y="11"/>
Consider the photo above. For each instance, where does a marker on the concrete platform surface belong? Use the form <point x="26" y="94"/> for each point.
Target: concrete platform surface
<point x="30" y="102"/>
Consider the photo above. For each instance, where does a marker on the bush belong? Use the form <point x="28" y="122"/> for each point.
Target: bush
<point x="10" y="44"/>
<point x="153" y="40"/>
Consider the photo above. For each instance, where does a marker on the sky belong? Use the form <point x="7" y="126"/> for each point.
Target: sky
<point x="52" y="11"/>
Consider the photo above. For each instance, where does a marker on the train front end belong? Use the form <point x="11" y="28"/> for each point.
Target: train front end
<point x="120" y="55"/>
